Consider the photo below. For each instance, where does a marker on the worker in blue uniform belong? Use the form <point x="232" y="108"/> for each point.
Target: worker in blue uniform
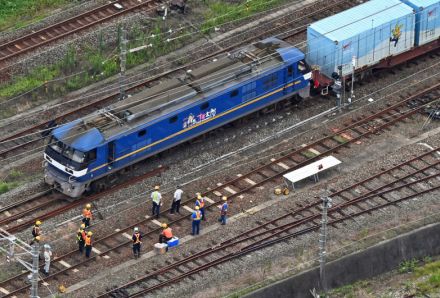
<point x="196" y="217"/>
<point x="200" y="202"/>
<point x="223" y="210"/>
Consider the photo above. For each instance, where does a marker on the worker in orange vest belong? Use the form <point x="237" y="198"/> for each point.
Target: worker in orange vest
<point x="88" y="244"/>
<point x="36" y="232"/>
<point x="137" y="237"/>
<point x="166" y="234"/>
<point x="200" y="202"/>
<point x="81" y="237"/>
<point x="87" y="215"/>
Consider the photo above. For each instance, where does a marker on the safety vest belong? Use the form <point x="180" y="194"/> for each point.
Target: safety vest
<point x="224" y="208"/>
<point x="198" y="215"/>
<point x="200" y="203"/>
<point x="36" y="231"/>
<point x="167" y="233"/>
<point x="88" y="241"/>
<point x="87" y="213"/>
<point x="137" y="240"/>
<point x="81" y="235"/>
<point x="156" y="197"/>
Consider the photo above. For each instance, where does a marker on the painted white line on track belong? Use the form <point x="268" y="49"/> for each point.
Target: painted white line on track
<point x="217" y="193"/>
<point x="230" y="190"/>
<point x="239" y="175"/>
<point x="250" y="181"/>
<point x="188" y="209"/>
<point x="4" y="291"/>
<point x="126" y="235"/>
<point x="95" y="250"/>
<point x="283" y="165"/>
<point x="429" y="147"/>
<point x="7" y="213"/>
<point x="65" y="264"/>
<point x="209" y="200"/>
<point x="117" y="230"/>
<point x="314" y="151"/>
<point x="155" y="221"/>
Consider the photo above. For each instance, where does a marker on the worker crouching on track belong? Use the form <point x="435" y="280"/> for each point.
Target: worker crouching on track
<point x="166" y="234"/>
<point x="196" y="217"/>
<point x="224" y="210"/>
<point x="81" y="238"/>
<point x="36" y="232"/>
<point x="87" y="215"/>
<point x="156" y="198"/>
<point x="200" y="202"/>
<point x="137" y="237"/>
<point x="88" y="244"/>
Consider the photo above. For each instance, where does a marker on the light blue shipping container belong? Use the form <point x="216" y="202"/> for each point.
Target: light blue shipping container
<point x="371" y="32"/>
<point x="427" y="20"/>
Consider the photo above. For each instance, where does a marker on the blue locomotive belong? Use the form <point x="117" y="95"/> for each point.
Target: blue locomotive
<point x="82" y="152"/>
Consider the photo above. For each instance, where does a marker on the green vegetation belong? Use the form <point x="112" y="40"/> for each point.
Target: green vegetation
<point x="18" y="13"/>
<point x="220" y="12"/>
<point x="408" y="266"/>
<point x="12" y="180"/>
<point x="340" y="139"/>
<point x="308" y="154"/>
<point x="101" y="61"/>
<point x="431" y="275"/>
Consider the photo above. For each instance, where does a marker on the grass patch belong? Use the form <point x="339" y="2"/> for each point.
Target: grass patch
<point x="7" y="186"/>
<point x="340" y="139"/>
<point x="220" y="12"/>
<point x="19" y="13"/>
<point x="408" y="266"/>
<point x="308" y="154"/>
<point x="432" y="282"/>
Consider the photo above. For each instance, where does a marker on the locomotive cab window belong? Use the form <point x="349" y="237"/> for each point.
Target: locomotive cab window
<point x="204" y="106"/>
<point x="290" y="70"/>
<point x="142" y="133"/>
<point x="173" y="119"/>
<point x="91" y="155"/>
<point x="302" y="67"/>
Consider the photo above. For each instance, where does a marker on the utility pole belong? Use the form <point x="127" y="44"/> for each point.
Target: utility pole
<point x="123" y="61"/>
<point x="337" y="87"/>
<point x="326" y="203"/>
<point x="353" y="64"/>
<point x="19" y="251"/>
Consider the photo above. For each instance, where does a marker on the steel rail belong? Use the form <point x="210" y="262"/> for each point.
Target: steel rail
<point x="67" y="27"/>
<point x="213" y="204"/>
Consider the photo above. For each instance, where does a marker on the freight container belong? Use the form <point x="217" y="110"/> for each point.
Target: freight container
<point x="427" y="20"/>
<point x="369" y="32"/>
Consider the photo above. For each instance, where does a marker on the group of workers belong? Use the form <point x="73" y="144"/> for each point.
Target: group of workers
<point x="84" y="235"/>
<point x="198" y="214"/>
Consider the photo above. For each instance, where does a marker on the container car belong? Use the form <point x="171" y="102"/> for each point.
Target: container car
<point x="371" y="32"/>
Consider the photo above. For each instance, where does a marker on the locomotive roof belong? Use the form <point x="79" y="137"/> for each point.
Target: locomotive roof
<point x="172" y="94"/>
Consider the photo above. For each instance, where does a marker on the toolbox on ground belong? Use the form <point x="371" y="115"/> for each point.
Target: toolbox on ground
<point x="173" y="242"/>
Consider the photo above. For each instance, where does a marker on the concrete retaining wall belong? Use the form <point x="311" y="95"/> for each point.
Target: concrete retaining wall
<point x="378" y="259"/>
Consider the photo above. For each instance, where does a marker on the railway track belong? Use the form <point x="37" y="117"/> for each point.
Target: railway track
<point x="32" y="137"/>
<point x="387" y="188"/>
<point x="21" y="215"/>
<point x="110" y="245"/>
<point x="67" y="27"/>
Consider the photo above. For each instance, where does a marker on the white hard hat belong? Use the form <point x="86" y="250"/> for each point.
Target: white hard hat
<point x="46" y="246"/>
<point x="136" y="229"/>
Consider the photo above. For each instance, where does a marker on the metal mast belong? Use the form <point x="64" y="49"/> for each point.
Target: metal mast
<point x="326" y="203"/>
<point x="18" y="250"/>
<point x="123" y="61"/>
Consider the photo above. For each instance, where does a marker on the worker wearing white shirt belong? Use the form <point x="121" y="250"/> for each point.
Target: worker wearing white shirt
<point x="175" y="206"/>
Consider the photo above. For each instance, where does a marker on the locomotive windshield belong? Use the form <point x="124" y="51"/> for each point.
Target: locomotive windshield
<point x="68" y="155"/>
